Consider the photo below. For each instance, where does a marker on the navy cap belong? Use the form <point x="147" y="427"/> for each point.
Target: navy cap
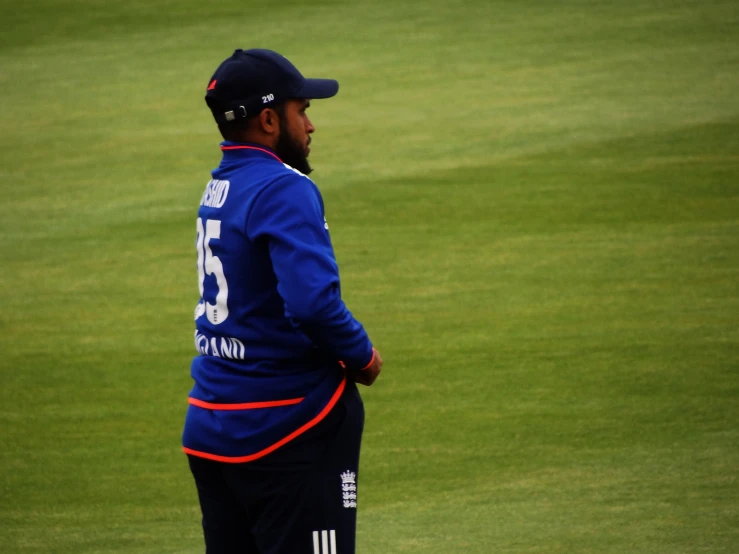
<point x="251" y="80"/>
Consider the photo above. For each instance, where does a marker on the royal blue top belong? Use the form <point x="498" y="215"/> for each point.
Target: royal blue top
<point x="272" y="331"/>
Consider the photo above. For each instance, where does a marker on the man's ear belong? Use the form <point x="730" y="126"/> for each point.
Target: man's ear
<point x="269" y="121"/>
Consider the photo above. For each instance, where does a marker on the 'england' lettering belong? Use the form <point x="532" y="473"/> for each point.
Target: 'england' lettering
<point x="223" y="347"/>
<point x="215" y="193"/>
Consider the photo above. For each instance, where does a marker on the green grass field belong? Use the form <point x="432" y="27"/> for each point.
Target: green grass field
<point x="535" y="207"/>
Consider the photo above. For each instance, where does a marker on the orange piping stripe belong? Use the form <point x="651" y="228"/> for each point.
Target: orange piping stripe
<point x="246" y="406"/>
<point x="275" y="446"/>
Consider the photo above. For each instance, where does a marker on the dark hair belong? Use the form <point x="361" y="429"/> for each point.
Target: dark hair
<point x="234" y="130"/>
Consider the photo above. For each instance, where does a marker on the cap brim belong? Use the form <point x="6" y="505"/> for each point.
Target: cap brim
<point x="318" y="88"/>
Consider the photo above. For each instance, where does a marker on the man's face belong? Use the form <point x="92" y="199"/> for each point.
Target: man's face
<point x="295" y="130"/>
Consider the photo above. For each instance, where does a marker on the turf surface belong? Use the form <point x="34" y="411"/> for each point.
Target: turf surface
<point x="535" y="209"/>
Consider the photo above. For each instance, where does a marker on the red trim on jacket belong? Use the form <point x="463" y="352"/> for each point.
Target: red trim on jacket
<point x="252" y="148"/>
<point x="241" y="459"/>
<point x="245" y="406"/>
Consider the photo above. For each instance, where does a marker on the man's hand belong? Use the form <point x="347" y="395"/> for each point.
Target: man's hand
<point x="367" y="376"/>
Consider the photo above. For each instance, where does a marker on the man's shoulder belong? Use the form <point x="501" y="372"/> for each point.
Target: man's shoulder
<point x="272" y="171"/>
<point x="292" y="170"/>
<point x="287" y="179"/>
<point x="271" y="177"/>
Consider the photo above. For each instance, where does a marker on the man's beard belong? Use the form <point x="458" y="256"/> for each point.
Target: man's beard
<point x="291" y="151"/>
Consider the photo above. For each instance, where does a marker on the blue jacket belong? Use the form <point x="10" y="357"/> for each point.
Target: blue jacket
<point x="272" y="332"/>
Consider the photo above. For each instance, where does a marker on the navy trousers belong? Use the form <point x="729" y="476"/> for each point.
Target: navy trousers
<point x="299" y="499"/>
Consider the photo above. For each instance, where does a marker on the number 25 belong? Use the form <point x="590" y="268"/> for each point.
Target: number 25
<point x="218" y="312"/>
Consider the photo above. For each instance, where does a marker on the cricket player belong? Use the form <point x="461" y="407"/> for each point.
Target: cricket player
<point x="275" y="421"/>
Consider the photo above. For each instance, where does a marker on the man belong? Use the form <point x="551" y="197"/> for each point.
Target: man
<point x="275" y="420"/>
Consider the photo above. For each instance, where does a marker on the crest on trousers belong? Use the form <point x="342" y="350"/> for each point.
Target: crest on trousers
<point x="349" y="489"/>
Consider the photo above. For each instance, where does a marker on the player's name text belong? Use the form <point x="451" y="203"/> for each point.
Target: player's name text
<point x="215" y="193"/>
<point x="223" y="347"/>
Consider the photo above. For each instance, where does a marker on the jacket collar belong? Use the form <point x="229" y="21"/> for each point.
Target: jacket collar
<point x="247" y="149"/>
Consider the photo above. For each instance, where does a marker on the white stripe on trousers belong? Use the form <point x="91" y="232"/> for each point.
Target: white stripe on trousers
<point x="324" y="542"/>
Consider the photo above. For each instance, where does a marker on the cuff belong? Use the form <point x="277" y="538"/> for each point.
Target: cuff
<point x="372" y="360"/>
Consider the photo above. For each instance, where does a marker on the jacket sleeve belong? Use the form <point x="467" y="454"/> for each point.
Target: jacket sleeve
<point x="288" y="214"/>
